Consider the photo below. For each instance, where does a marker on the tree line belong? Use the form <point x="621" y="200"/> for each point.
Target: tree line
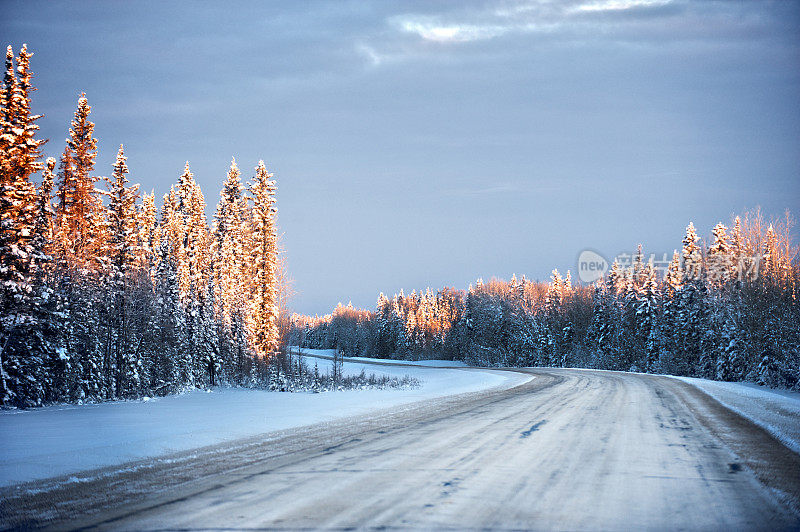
<point x="104" y="295"/>
<point x="726" y="310"/>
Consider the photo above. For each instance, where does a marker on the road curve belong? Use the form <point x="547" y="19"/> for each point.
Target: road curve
<point x="572" y="449"/>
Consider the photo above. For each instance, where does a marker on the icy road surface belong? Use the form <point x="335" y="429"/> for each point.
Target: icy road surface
<point x="576" y="450"/>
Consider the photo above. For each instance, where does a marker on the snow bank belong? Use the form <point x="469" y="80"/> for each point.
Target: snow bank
<point x="777" y="411"/>
<point x="59" y="440"/>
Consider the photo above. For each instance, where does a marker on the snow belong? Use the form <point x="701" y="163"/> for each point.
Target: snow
<point x="66" y="439"/>
<point x="777" y="411"/>
<point x="373" y="369"/>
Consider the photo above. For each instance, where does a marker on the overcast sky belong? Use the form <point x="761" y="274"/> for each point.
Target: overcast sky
<point x="431" y="143"/>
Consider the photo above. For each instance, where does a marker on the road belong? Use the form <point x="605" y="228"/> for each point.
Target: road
<point x="571" y="449"/>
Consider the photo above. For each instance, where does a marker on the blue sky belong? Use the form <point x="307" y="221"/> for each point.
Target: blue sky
<point x="431" y="143"/>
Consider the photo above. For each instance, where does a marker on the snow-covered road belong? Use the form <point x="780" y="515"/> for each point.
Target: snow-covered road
<point x="577" y="450"/>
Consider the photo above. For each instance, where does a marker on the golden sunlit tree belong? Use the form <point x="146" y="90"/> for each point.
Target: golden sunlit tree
<point x="81" y="230"/>
<point x="263" y="316"/>
<point x="20" y="154"/>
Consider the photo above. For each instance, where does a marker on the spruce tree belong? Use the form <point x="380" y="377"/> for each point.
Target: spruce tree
<point x="26" y="147"/>
<point x="692" y="315"/>
<point x="122" y="252"/>
<point x="169" y="324"/>
<point x="148" y="235"/>
<point x="263" y="324"/>
<point x="720" y="260"/>
<point x="80" y="208"/>
<point x="19" y="249"/>
<point x="231" y="259"/>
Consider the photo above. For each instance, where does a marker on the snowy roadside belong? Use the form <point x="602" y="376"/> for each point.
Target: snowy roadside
<point x="329" y="353"/>
<point x="66" y="439"/>
<point x="776" y="411"/>
<point x="438" y="379"/>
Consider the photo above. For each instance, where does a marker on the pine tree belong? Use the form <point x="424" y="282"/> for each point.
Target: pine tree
<point x="738" y="251"/>
<point x="692" y="255"/>
<point x="19" y="253"/>
<point x="81" y="228"/>
<point x="770" y="269"/>
<point x="169" y="325"/>
<point x="671" y="296"/>
<point x="186" y="231"/>
<point x="43" y="230"/>
<point x="7" y="118"/>
<point x="26" y="147"/>
<point x="720" y="263"/>
<point x="647" y="304"/>
<point x="730" y="359"/>
<point x="196" y="239"/>
<point x="122" y="252"/>
<point x="147" y="237"/>
<point x="264" y="311"/>
<point x="80" y="250"/>
<point x="692" y="313"/>
<point x="231" y="259"/>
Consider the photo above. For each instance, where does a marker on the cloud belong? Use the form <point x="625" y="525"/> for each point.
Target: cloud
<point x="483" y="24"/>
<point x="618" y="5"/>
<point x="370" y="53"/>
<point x="431" y="30"/>
<point x="624" y="22"/>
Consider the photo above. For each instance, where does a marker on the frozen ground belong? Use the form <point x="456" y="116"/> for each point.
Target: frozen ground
<point x="60" y="440"/>
<point x="776" y="411"/>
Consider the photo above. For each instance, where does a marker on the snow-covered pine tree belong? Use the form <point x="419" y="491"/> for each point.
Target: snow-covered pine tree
<point x="80" y="207"/>
<point x="730" y="354"/>
<point x="26" y="147"/>
<point x="632" y="345"/>
<point x="169" y="339"/>
<point x="647" y="316"/>
<point x="147" y="237"/>
<point x="693" y="323"/>
<point x="43" y="230"/>
<point x="210" y="363"/>
<point x="770" y="268"/>
<point x="719" y="261"/>
<point x="199" y="241"/>
<point x="385" y="341"/>
<point x="46" y="331"/>
<point x="670" y="304"/>
<point x="186" y="231"/>
<point x="20" y="359"/>
<point x="79" y="250"/>
<point x="263" y="322"/>
<point x="122" y="251"/>
<point x="7" y="116"/>
<point x="609" y="322"/>
<point x="232" y="269"/>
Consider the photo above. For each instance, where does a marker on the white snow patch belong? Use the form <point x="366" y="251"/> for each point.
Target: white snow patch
<point x="777" y="411"/>
<point x="67" y="439"/>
